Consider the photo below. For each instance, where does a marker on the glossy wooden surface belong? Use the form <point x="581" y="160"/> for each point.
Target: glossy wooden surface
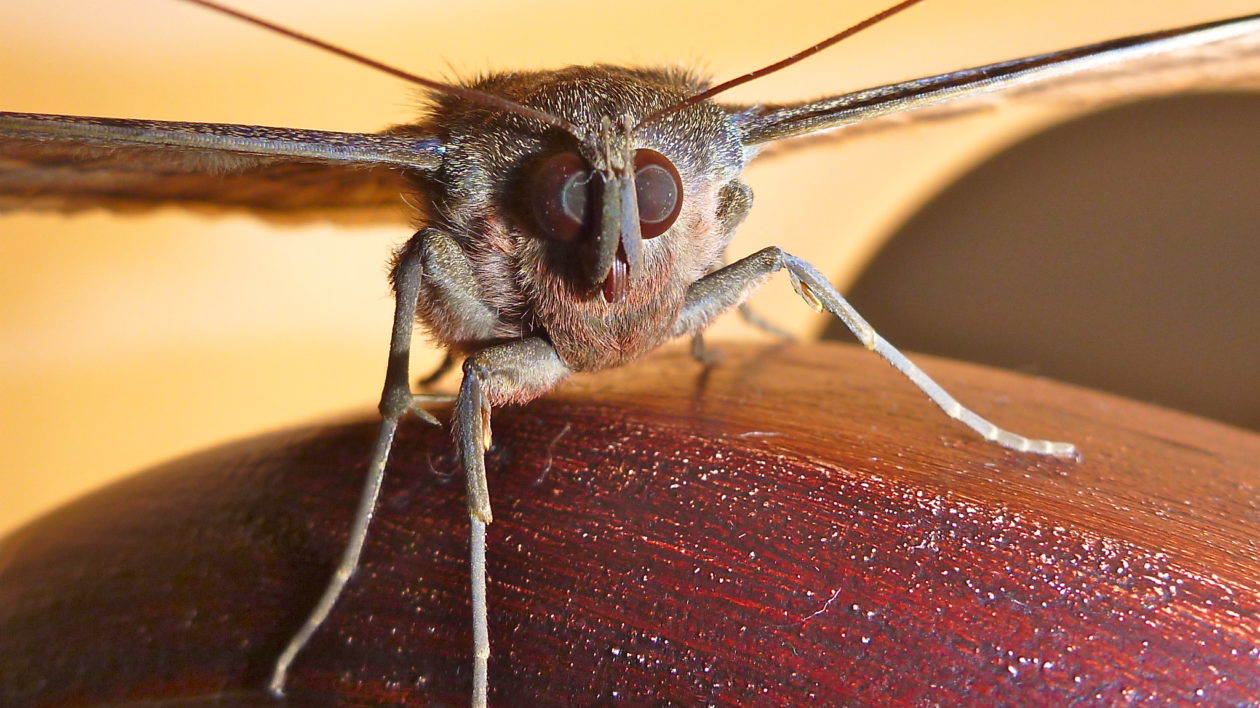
<point x="795" y="526"/>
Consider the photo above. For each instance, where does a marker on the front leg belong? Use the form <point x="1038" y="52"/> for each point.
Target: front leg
<point x="721" y="290"/>
<point x="396" y="401"/>
<point x="506" y="373"/>
<point x="705" y="356"/>
<point x="735" y="201"/>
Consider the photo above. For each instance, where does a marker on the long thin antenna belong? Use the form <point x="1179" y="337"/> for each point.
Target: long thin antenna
<point x="727" y="85"/>
<point x="471" y="95"/>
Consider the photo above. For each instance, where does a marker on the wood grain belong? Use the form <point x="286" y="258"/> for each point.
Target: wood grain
<point x="793" y="526"/>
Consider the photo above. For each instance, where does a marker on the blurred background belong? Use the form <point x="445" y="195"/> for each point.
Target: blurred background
<point x="128" y="340"/>
<point x="1119" y="251"/>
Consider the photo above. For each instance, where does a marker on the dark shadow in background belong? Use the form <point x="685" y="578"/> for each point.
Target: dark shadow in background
<point x="1120" y="251"/>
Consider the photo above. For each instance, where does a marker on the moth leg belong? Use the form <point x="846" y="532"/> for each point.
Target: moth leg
<point x="699" y="352"/>
<point x="755" y="319"/>
<point x="506" y="373"/>
<point x="705" y="356"/>
<point x="448" y="363"/>
<point x="452" y="295"/>
<point x="396" y="401"/>
<point x="719" y="291"/>
<point x="734" y="203"/>
<point x="750" y="316"/>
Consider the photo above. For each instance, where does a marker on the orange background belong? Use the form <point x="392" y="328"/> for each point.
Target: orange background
<point x="129" y="340"/>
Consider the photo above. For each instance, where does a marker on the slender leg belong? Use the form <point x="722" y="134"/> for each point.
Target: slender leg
<point x="448" y="363"/>
<point x="723" y="289"/>
<point x="396" y="401"/>
<point x="698" y="351"/>
<point x="505" y="373"/>
<point x="736" y="201"/>
<point x="755" y="319"/>
<point x="702" y="354"/>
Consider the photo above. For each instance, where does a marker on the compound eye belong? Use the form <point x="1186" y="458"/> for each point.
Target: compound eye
<point x="561" y="196"/>
<point x="659" y="191"/>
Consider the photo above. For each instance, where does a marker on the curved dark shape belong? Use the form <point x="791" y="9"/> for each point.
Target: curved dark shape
<point x="1118" y="251"/>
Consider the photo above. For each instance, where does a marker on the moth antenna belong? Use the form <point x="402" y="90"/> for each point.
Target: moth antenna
<point x="784" y="63"/>
<point x="470" y="95"/>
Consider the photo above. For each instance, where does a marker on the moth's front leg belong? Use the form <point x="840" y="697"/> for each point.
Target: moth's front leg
<point x="453" y="295"/>
<point x="721" y="290"/>
<point x="424" y="383"/>
<point x="409" y="274"/>
<point x="735" y="202"/>
<point x="506" y="373"/>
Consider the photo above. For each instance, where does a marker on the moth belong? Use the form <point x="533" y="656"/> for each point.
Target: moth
<point x="572" y="220"/>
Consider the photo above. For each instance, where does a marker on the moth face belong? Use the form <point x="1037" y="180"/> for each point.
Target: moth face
<point x="606" y="214"/>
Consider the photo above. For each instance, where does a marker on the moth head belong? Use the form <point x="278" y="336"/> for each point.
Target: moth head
<point x="605" y="198"/>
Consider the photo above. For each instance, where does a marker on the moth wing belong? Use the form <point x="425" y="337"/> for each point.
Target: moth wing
<point x="1216" y="55"/>
<point x="69" y="163"/>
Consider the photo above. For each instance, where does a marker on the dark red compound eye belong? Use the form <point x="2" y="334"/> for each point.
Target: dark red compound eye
<point x="562" y="196"/>
<point x="659" y="191"/>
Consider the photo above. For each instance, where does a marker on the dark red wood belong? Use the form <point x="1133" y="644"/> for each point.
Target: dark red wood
<point x="795" y="526"/>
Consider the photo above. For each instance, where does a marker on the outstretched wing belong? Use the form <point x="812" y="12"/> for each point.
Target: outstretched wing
<point x="1201" y="57"/>
<point x="66" y="163"/>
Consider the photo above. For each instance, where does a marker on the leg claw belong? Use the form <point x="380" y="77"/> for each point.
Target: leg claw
<point x="416" y="407"/>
